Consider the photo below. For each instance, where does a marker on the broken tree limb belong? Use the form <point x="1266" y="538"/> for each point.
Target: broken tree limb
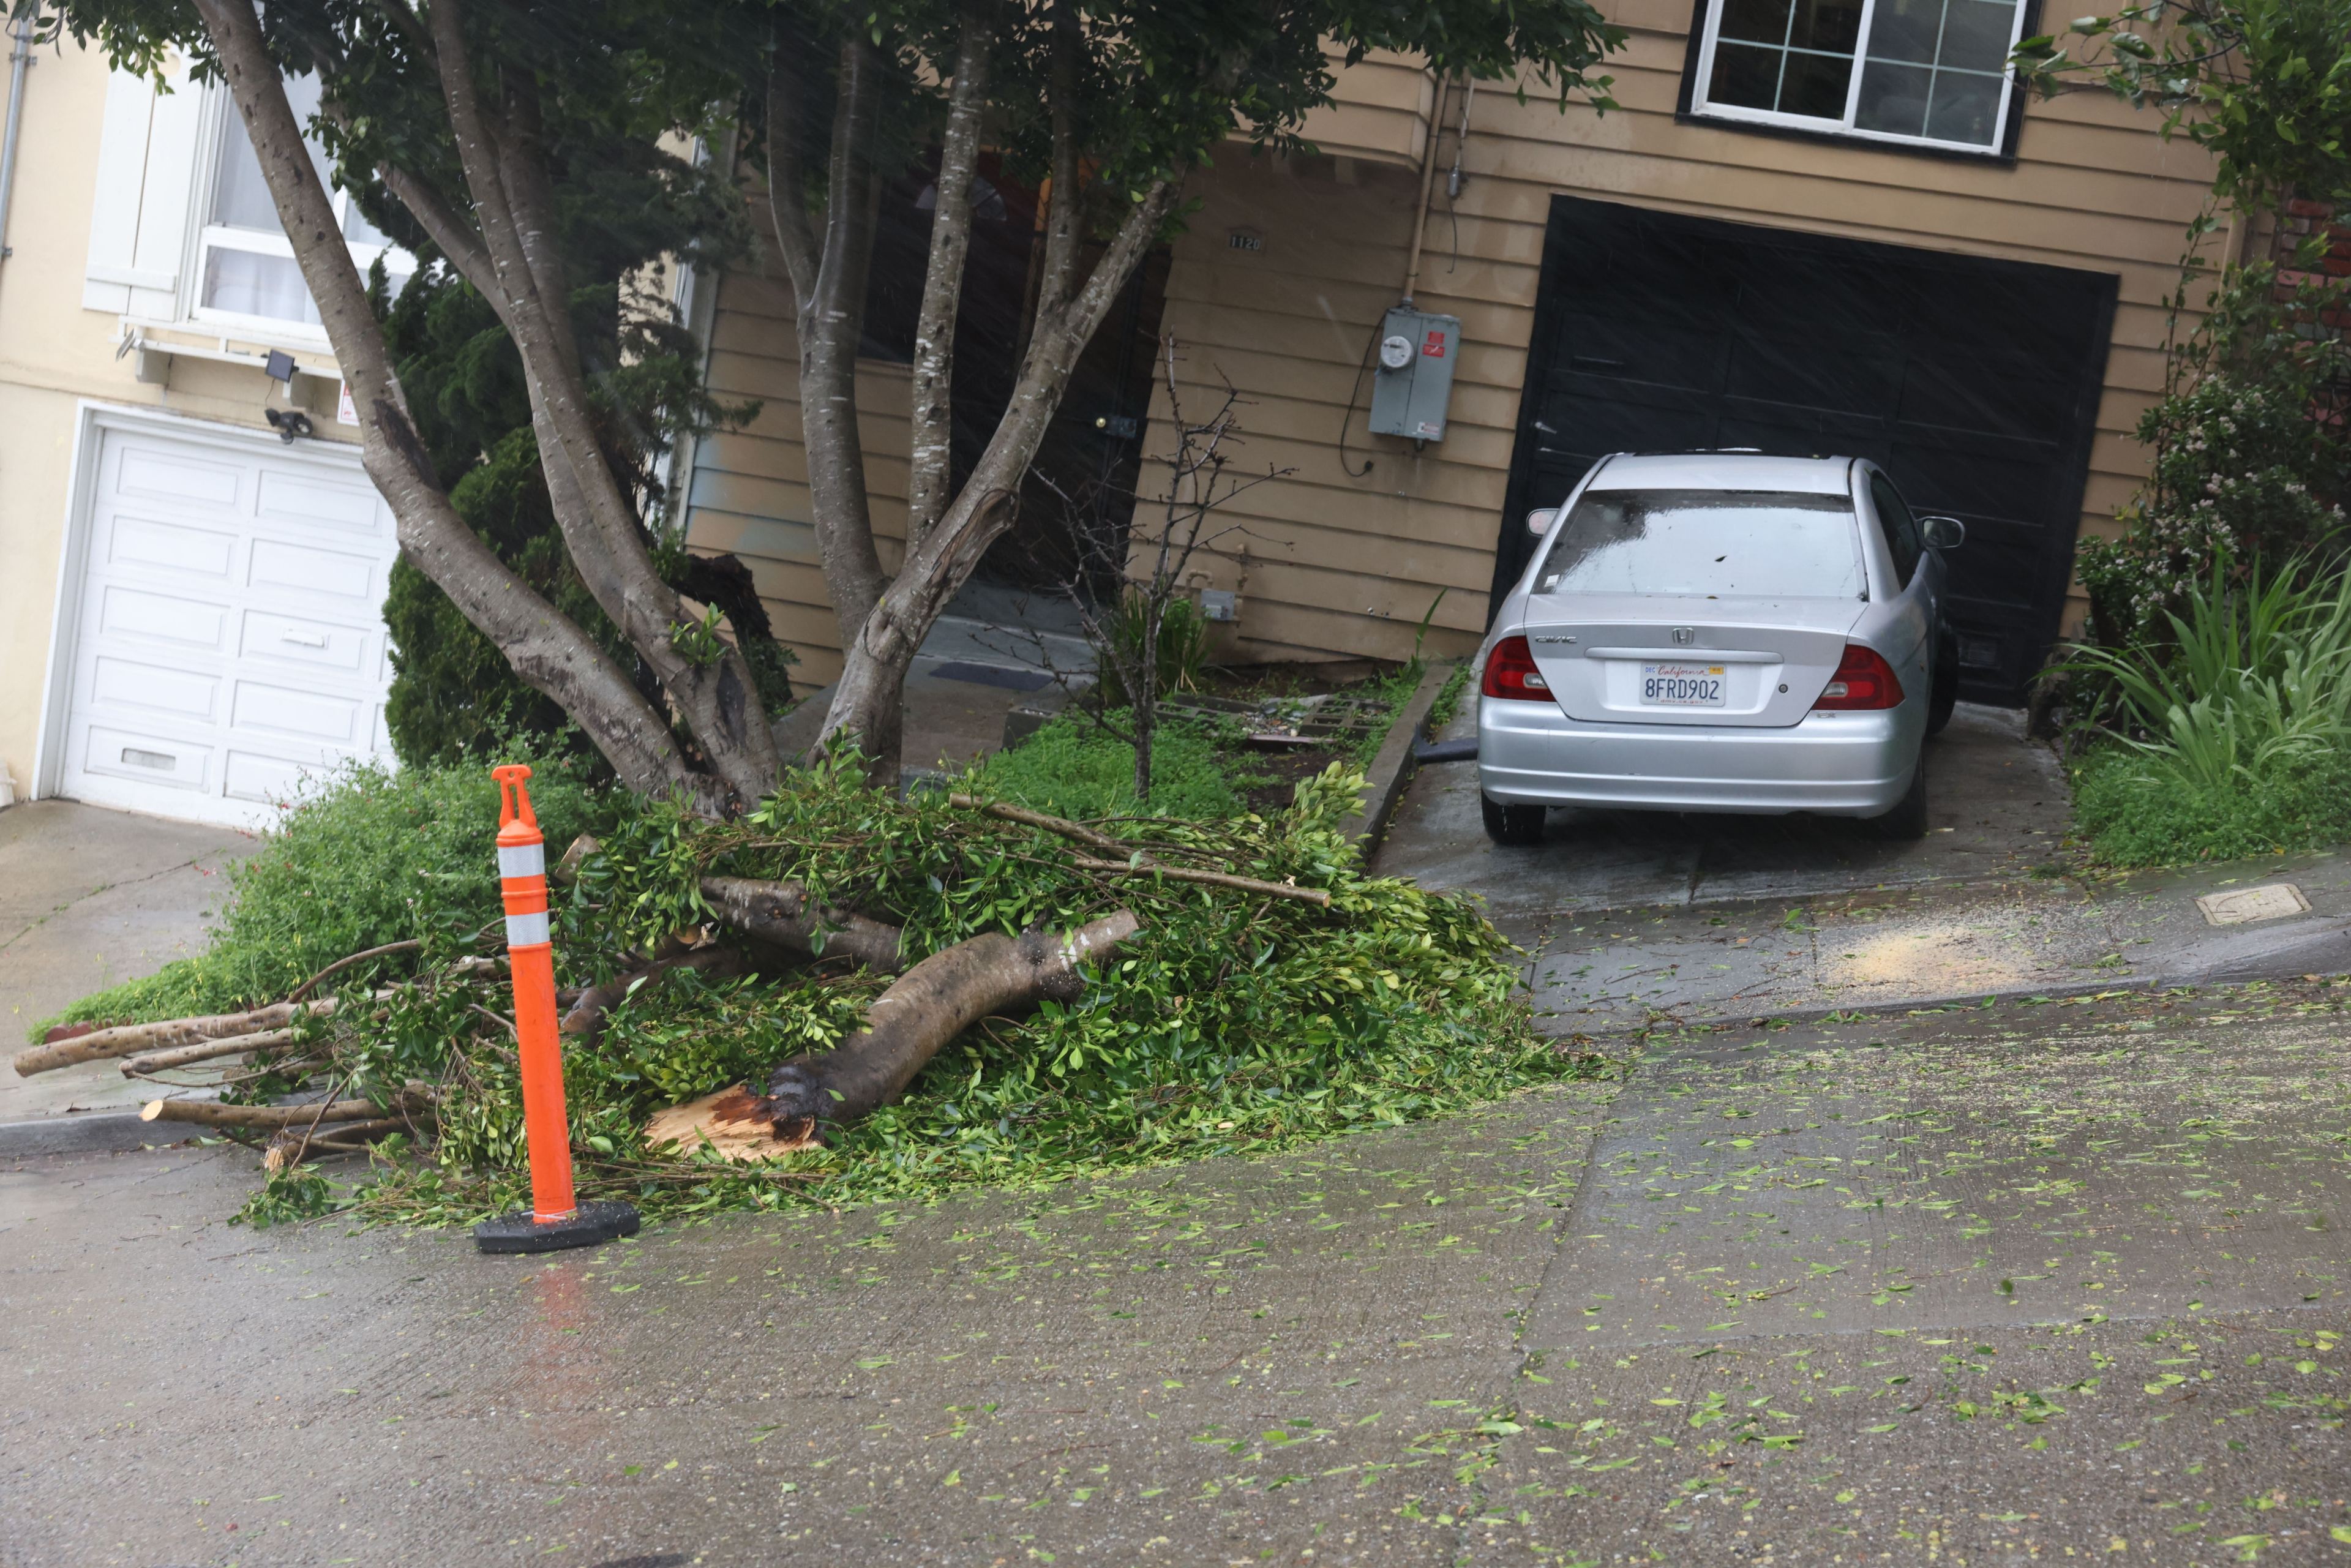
<point x="1314" y="896"/>
<point x="1027" y="818"/>
<point x="204" y="1051"/>
<point x="780" y="912"/>
<point x="931" y="1004"/>
<point x="129" y="1040"/>
<point x="292" y="1145"/>
<point x="585" y="1021"/>
<point x="212" y="1113"/>
<point x="734" y="1124"/>
<point x="303" y="989"/>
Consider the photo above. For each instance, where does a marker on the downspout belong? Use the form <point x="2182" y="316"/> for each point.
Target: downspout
<point x="20" y="60"/>
<point x="1427" y="187"/>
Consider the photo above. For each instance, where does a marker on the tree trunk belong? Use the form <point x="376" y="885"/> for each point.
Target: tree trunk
<point x="932" y="473"/>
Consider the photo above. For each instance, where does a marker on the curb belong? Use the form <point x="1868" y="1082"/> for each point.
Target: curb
<point x="91" y="1132"/>
<point x="1391" y="771"/>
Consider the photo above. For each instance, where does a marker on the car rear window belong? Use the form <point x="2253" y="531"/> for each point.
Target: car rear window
<point x="1707" y="543"/>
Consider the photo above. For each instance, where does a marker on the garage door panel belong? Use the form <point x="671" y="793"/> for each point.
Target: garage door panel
<point x="1975" y="383"/>
<point x="307" y="569"/>
<point x="148" y="759"/>
<point x="273" y="636"/>
<point x="178" y="474"/>
<point x="307" y="503"/>
<point x="141" y="615"/>
<point x="118" y="683"/>
<point x="230" y="644"/>
<point x="159" y="544"/>
<point x="310" y="714"/>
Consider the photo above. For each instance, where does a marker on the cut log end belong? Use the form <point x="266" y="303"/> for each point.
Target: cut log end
<point x="734" y="1124"/>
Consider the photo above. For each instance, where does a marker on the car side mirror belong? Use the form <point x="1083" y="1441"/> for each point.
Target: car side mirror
<point x="1540" y="520"/>
<point x="1943" y="533"/>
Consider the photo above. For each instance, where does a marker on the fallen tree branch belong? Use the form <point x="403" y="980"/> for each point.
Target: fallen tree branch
<point x="585" y="1021"/>
<point x="204" y="1051"/>
<point x="780" y="911"/>
<point x="1027" y="818"/>
<point x="410" y="946"/>
<point x="1314" y="896"/>
<point x="931" y="1004"/>
<point x="129" y="1040"/>
<point x="290" y="1146"/>
<point x="212" y="1113"/>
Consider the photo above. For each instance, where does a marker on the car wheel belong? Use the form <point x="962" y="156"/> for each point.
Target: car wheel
<point x="1943" y="688"/>
<point x="1907" y="819"/>
<point x="1511" y="824"/>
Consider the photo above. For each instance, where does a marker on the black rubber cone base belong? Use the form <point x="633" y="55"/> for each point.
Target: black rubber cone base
<point x="595" y="1224"/>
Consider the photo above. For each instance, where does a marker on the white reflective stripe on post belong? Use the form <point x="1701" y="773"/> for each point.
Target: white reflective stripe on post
<point x="527" y="930"/>
<point x="522" y="859"/>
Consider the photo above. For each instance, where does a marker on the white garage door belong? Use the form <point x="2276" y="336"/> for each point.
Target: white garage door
<point x="229" y="640"/>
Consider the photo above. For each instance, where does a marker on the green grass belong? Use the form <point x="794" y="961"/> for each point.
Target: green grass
<point x="2141" y="808"/>
<point x="1074" y="769"/>
<point x="371" y="858"/>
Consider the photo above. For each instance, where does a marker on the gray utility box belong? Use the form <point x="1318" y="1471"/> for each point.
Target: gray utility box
<point x="1412" y="380"/>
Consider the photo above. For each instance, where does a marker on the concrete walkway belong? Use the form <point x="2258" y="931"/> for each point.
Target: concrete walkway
<point x="89" y="897"/>
<point x="2006" y="1284"/>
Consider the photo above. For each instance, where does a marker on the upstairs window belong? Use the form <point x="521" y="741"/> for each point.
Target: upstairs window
<point x="245" y="269"/>
<point x="1929" y="72"/>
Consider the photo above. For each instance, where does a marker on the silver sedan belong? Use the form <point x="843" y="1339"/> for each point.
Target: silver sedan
<point x="1720" y="632"/>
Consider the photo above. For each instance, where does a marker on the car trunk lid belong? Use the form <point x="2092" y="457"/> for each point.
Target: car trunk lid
<point x="1643" y="659"/>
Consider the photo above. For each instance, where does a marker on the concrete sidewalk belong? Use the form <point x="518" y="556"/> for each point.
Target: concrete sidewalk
<point x="2007" y="1284"/>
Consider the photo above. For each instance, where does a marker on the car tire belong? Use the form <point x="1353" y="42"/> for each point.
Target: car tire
<point x="1943" y="685"/>
<point x="1907" y="820"/>
<point x="1511" y="824"/>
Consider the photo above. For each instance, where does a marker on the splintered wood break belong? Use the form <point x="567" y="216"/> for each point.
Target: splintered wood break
<point x="734" y="1124"/>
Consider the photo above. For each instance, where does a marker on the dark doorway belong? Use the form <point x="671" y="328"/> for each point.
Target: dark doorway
<point x="1974" y="382"/>
<point x="1090" y="460"/>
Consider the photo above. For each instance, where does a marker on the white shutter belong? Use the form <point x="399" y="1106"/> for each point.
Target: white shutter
<point x="122" y="178"/>
<point x="148" y="154"/>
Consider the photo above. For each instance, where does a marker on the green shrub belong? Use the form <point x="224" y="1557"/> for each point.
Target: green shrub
<point x="1073" y="769"/>
<point x="1183" y="650"/>
<point x="2226" y="734"/>
<point x="371" y="857"/>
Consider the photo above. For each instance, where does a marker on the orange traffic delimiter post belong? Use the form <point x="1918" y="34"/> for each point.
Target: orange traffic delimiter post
<point x="555" y="1220"/>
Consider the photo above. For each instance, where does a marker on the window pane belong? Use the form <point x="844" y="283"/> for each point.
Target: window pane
<point x="358" y="230"/>
<point x="1832" y="25"/>
<point x="240" y="198"/>
<point x="251" y="284"/>
<point x="1745" y="76"/>
<point x="1815" y="84"/>
<point x="1757" y="21"/>
<point x="1964" y="108"/>
<point x="1894" y="98"/>
<point x="1711" y="542"/>
<point x="1906" y="30"/>
<point x="1976" y="35"/>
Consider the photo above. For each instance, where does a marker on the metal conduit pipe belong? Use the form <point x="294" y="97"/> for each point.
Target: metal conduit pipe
<point x="20" y="60"/>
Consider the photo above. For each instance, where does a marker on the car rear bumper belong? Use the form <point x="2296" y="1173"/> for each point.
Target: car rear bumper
<point x="1839" y="764"/>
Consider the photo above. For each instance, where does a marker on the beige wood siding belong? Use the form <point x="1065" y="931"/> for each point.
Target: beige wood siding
<point x="1341" y="565"/>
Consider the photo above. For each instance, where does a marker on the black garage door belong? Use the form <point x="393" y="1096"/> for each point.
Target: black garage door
<point x="1975" y="383"/>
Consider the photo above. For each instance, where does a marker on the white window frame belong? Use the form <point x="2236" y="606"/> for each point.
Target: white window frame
<point x="220" y="122"/>
<point x="1845" y="126"/>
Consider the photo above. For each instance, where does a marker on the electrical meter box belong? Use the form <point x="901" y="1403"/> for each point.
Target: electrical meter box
<point x="1412" y="379"/>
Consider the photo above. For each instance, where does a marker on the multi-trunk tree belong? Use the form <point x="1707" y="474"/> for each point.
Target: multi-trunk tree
<point x="447" y="107"/>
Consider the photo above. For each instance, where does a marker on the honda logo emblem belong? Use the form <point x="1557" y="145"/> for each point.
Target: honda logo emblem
<point x="1684" y="636"/>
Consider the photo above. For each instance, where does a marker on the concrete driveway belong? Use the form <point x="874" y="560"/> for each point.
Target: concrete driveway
<point x="1997" y="803"/>
<point x="89" y="897"/>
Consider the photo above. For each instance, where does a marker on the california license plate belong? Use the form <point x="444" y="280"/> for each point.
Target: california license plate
<point x="1681" y="685"/>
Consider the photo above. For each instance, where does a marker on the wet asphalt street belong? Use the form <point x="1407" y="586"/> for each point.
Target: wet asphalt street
<point x="2000" y="1284"/>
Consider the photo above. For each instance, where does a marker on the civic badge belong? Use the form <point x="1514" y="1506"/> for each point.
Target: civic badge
<point x="1685" y="635"/>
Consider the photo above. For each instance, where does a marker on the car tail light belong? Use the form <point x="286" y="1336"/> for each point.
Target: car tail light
<point x="1862" y="680"/>
<point x="1511" y="673"/>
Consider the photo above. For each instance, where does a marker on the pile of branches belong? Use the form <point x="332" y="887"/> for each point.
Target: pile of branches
<point x="845" y="993"/>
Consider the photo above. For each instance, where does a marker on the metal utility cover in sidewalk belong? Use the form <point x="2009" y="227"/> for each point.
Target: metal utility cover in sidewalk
<point x="2241" y="905"/>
